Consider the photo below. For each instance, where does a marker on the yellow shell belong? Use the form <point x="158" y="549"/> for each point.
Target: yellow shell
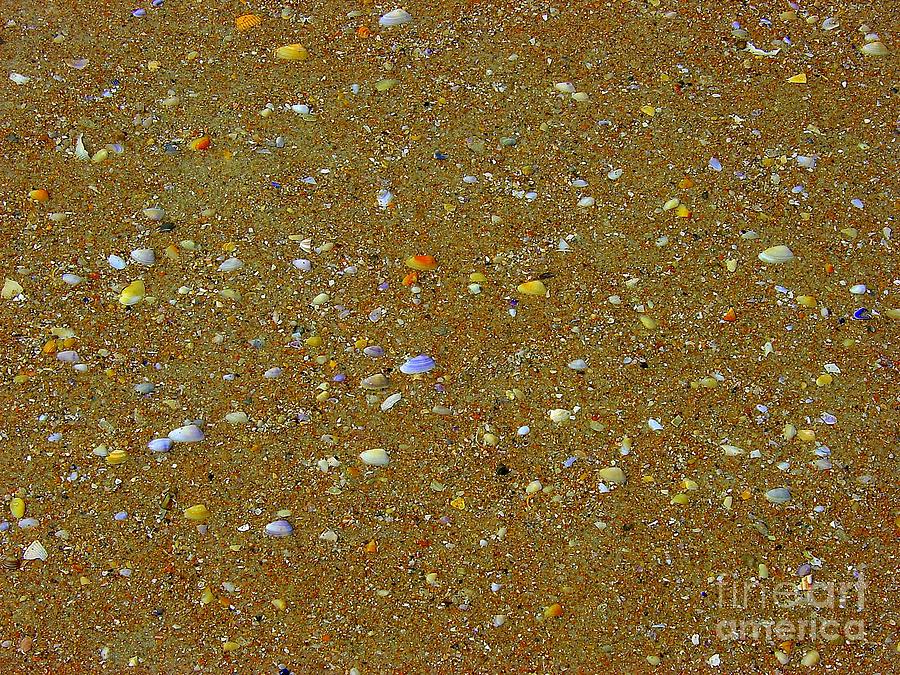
<point x="295" y="52"/>
<point x="422" y="263"/>
<point x="247" y="21"/>
<point x="117" y="457"/>
<point x="133" y="293"/>
<point x="197" y="512"/>
<point x="532" y="288"/>
<point x="17" y="507"/>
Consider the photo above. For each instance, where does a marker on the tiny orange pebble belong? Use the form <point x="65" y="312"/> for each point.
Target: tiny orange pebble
<point x="371" y="547"/>
<point x="410" y="279"/>
<point x="423" y="263"/>
<point x="39" y="195"/>
<point x="201" y="143"/>
<point x="829" y="268"/>
<point x="247" y="21"/>
<point x="730" y="315"/>
<point x="363" y="32"/>
<point x="553" y="610"/>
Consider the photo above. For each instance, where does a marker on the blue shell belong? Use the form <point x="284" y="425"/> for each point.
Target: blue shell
<point x="862" y="314"/>
<point x="417" y="364"/>
<point x="160" y="444"/>
<point x="279" y="528"/>
<point x="374" y="351"/>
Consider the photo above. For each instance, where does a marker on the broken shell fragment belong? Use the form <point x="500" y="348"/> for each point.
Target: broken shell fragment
<point x="35" y="551"/>
<point x="422" y="263"/>
<point x="776" y="254"/>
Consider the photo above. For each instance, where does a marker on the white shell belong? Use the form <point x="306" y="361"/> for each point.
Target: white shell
<point x="776" y="254"/>
<point x="231" y="265"/>
<point x="395" y="17"/>
<point x="303" y="264"/>
<point x="80" y="151"/>
<point x="237" y="417"/>
<point x="874" y="49"/>
<point x="732" y="450"/>
<point x="565" y="87"/>
<point x="35" y="551"/>
<point x="190" y="433"/>
<point x="578" y="365"/>
<point x="72" y="279"/>
<point x="117" y="262"/>
<point x="144" y="256"/>
<point x="155" y="213"/>
<point x="390" y="401"/>
<point x="560" y="415"/>
<point x="18" y="78"/>
<point x="375" y="457"/>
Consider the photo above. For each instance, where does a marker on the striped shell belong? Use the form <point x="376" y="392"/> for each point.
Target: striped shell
<point x="247" y="21"/>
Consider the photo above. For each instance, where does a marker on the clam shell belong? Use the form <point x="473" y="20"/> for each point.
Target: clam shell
<point x="390" y="401"/>
<point x="189" y="433"/>
<point x="279" y="528"/>
<point x="303" y="265"/>
<point x="117" y="262"/>
<point x="133" y="293"/>
<point x="11" y="289"/>
<point x="72" y="279"/>
<point x="144" y="387"/>
<point x="778" y="495"/>
<point x="417" y="364"/>
<point x="68" y="356"/>
<point x="578" y="365"/>
<point x="155" y="213"/>
<point x="144" y="256"/>
<point x="374" y="351"/>
<point x="874" y="49"/>
<point x="375" y="457"/>
<point x="231" y="265"/>
<point x="376" y="382"/>
<point x="198" y="512"/>
<point x="160" y="444"/>
<point x="612" y="474"/>
<point x="776" y="254"/>
<point x="560" y="415"/>
<point x="237" y="417"/>
<point x="532" y="288"/>
<point x="395" y="17"/>
<point x="294" y="52"/>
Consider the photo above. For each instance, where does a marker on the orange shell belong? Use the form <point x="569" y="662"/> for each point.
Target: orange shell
<point x="201" y="143"/>
<point x="730" y="315"/>
<point x="39" y="195"/>
<point x="247" y="21"/>
<point x="423" y="263"/>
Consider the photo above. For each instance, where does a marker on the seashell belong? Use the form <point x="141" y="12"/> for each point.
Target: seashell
<point x="564" y="87"/>
<point x="532" y="288"/>
<point x="231" y="265"/>
<point x="390" y="401"/>
<point x="237" y="417"/>
<point x="10" y="289"/>
<point x="303" y="265"/>
<point x="35" y="551"/>
<point x="395" y="17"/>
<point x="160" y="444"/>
<point x="133" y="293"/>
<point x="72" y="279"/>
<point x="28" y="523"/>
<point x="117" y="457"/>
<point x="417" y="364"/>
<point x="117" y="262"/>
<point x="246" y="22"/>
<point x="615" y="174"/>
<point x="58" y="216"/>
<point x="279" y="528"/>
<point x="39" y="195"/>
<point x="189" y="433"/>
<point x="11" y="562"/>
<point x="197" y="512"/>
<point x="874" y="49"/>
<point x="201" y="143"/>
<point x="732" y="450"/>
<point x="144" y="256"/>
<point x="776" y="254"/>
<point x="144" y="387"/>
<point x="560" y="415"/>
<point x="422" y="263"/>
<point x="18" y="78"/>
<point x="155" y="213"/>
<point x="586" y="202"/>
<point x="375" y="457"/>
<point x="294" y="52"/>
<point x="17" y="507"/>
<point x="272" y="373"/>
<point x="778" y="495"/>
<point x="374" y="351"/>
<point x="578" y="365"/>
<point x="830" y="24"/>
<point x="858" y="289"/>
<point x="80" y="151"/>
<point x="384" y="85"/>
<point x="321" y="299"/>
<point x="376" y="382"/>
<point x="68" y="356"/>
<point x="612" y="474"/>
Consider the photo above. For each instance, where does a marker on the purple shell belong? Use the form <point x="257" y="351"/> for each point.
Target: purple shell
<point x="374" y="351"/>
<point x="279" y="528"/>
<point x="417" y="364"/>
<point x="160" y="444"/>
<point x="190" y="433"/>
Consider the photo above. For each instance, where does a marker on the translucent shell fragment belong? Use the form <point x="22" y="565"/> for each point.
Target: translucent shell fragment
<point x="422" y="263"/>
